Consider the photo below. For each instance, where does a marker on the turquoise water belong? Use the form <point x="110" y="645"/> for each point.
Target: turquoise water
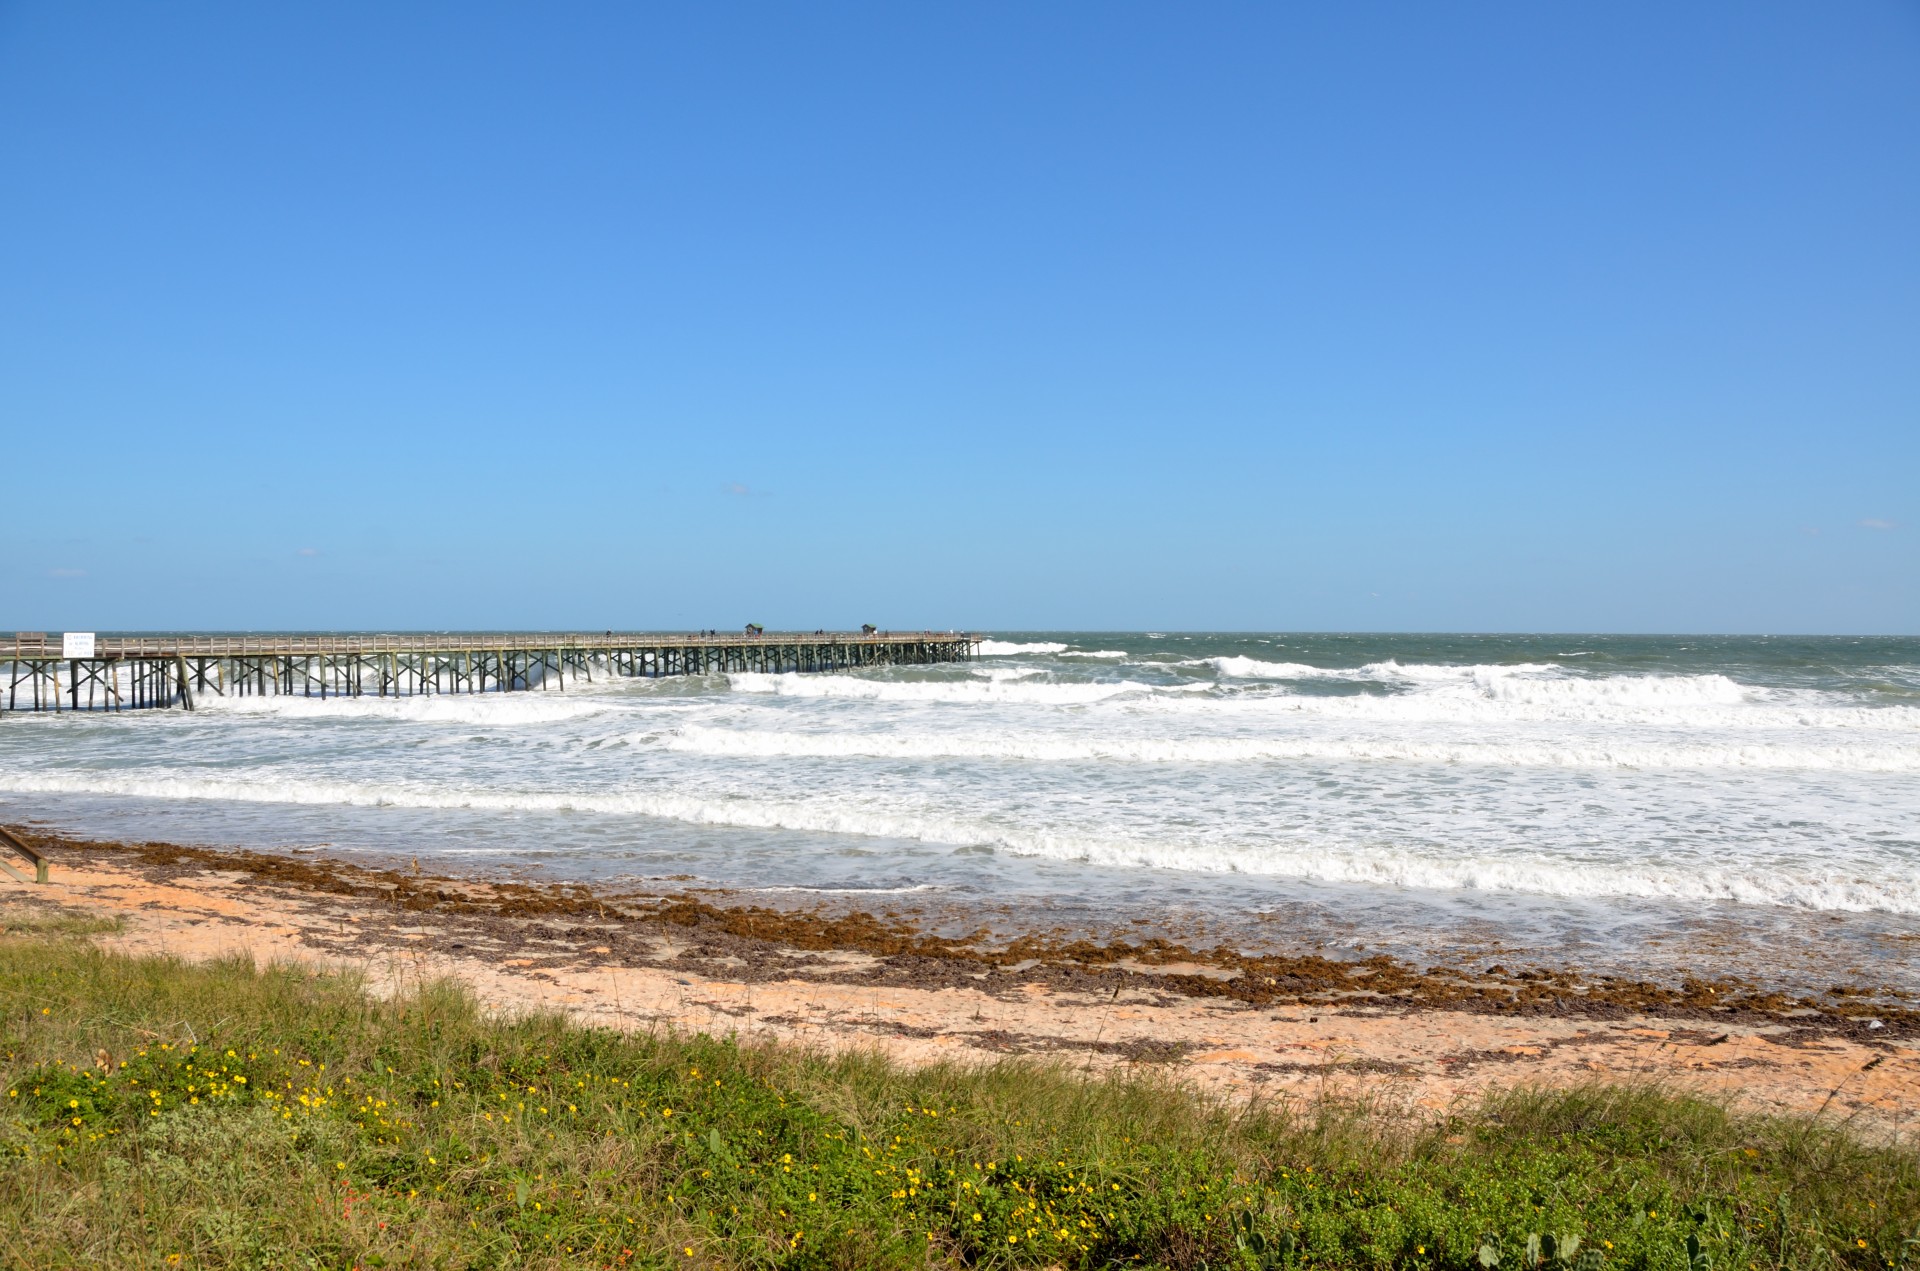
<point x="1630" y="800"/>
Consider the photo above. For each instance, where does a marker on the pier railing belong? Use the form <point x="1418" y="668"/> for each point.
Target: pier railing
<point x="40" y="645"/>
<point x="132" y="672"/>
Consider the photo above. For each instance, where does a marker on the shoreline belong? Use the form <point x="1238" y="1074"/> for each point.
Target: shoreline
<point x="1250" y="1026"/>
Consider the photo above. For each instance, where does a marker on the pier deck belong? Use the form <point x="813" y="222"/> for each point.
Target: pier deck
<point x="156" y="671"/>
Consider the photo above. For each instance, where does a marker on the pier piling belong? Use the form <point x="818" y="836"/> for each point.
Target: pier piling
<point x="156" y="672"/>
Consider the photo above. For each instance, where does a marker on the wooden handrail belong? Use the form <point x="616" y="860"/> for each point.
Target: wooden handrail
<point x="108" y="647"/>
<point x="11" y="840"/>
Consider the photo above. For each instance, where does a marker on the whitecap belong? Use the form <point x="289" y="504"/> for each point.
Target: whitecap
<point x="1254" y="668"/>
<point x="1758" y="882"/>
<point x="1008" y="648"/>
<point x="1511" y="752"/>
<point x="518" y="709"/>
<point x="790" y="684"/>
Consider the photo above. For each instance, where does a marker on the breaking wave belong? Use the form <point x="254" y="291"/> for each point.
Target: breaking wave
<point x="1620" y="753"/>
<point x="1255" y="669"/>
<point x="1758" y="882"/>
<point x="791" y="684"/>
<point x="1640" y="770"/>
<point x="504" y="710"/>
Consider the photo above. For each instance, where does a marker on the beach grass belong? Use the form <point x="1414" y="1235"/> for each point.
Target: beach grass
<point x="160" y="1114"/>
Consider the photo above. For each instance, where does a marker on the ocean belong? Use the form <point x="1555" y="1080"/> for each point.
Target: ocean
<point x="1630" y="804"/>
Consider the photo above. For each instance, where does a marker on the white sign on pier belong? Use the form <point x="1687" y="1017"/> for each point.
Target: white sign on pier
<point x="76" y="644"/>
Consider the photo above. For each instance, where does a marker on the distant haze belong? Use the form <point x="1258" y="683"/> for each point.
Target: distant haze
<point x="1110" y="317"/>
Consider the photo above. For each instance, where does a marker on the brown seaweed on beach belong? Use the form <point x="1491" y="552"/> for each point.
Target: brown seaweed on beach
<point x="763" y="942"/>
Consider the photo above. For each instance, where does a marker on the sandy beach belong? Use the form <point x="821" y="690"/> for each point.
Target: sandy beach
<point x="1248" y="1028"/>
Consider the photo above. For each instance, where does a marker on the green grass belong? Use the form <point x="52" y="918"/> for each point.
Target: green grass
<point x="157" y="1114"/>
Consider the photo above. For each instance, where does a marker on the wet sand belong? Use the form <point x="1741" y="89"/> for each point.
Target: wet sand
<point x="1246" y="1026"/>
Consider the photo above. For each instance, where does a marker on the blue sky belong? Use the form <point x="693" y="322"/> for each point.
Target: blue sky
<point x="1464" y="317"/>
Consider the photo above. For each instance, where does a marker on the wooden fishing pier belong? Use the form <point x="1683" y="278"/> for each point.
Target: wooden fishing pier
<point x="114" y="673"/>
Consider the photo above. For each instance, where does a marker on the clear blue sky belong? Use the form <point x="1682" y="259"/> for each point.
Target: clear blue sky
<point x="1461" y="317"/>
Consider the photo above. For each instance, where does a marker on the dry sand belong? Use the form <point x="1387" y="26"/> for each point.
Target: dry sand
<point x="616" y="969"/>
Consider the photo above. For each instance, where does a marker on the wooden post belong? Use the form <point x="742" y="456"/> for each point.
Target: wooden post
<point x="17" y="844"/>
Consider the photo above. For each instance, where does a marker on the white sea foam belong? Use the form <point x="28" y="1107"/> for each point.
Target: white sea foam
<point x="1680" y="776"/>
<point x="1255" y="669"/>
<point x="1761" y="882"/>
<point x="1446" y="673"/>
<point x="1630" y="753"/>
<point x="1616" y="690"/>
<point x="789" y="684"/>
<point x="492" y="709"/>
<point x="1543" y="692"/>
<point x="1607" y="706"/>
<point x="1006" y="674"/>
<point x="1536" y="875"/>
<point x="1009" y="648"/>
<point x="1374" y="672"/>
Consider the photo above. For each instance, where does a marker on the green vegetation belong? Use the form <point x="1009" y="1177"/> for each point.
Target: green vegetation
<point x="163" y="1115"/>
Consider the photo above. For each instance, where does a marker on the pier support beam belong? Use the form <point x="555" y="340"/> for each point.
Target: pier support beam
<point x="162" y="671"/>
